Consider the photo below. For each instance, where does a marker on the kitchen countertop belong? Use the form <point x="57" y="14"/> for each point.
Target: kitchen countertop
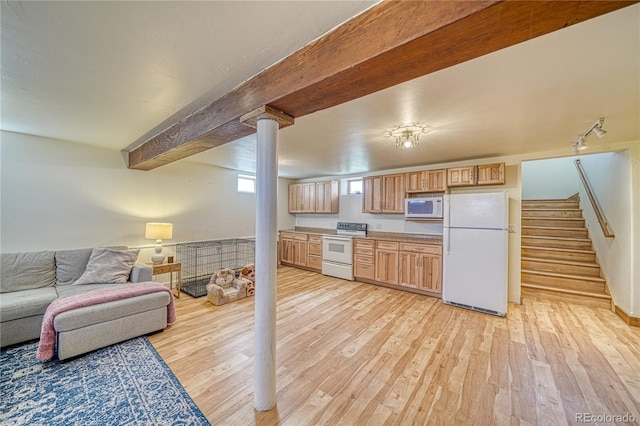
<point x="387" y="236"/>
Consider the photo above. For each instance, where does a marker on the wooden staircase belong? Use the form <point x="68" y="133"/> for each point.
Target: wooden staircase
<point x="557" y="257"/>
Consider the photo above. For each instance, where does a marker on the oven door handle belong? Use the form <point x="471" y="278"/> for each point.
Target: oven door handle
<point x="325" y="237"/>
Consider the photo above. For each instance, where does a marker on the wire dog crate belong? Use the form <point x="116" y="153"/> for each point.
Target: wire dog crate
<point x="200" y="260"/>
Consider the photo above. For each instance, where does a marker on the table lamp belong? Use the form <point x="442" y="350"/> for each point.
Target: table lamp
<point x="158" y="231"/>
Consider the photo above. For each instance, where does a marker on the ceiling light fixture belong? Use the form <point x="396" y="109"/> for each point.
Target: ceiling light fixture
<point x="579" y="143"/>
<point x="407" y="136"/>
<point x="595" y="128"/>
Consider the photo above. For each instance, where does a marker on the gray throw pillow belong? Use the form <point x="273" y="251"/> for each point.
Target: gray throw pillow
<point x="71" y="264"/>
<point x="108" y="266"/>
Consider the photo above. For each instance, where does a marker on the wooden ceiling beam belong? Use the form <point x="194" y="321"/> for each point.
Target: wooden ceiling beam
<point x="386" y="45"/>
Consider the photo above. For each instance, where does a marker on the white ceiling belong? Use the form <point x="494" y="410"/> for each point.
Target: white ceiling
<point x="112" y="74"/>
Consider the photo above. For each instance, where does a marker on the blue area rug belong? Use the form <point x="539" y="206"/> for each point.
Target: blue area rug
<point x="124" y="384"/>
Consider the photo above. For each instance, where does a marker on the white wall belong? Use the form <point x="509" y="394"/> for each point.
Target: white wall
<point x="550" y="178"/>
<point x="57" y="194"/>
<point x="609" y="176"/>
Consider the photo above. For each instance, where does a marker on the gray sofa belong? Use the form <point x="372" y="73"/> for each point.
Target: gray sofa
<point x="29" y="282"/>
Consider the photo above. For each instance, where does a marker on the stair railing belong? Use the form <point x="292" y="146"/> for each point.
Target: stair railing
<point x="594" y="202"/>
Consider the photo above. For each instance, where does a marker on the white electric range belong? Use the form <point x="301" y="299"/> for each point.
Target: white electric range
<point x="337" y="250"/>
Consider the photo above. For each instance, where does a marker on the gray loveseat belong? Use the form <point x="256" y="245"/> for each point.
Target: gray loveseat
<point x="29" y="282"/>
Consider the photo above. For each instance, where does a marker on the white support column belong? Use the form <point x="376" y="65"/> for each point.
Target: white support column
<point x="267" y="121"/>
<point x="266" y="264"/>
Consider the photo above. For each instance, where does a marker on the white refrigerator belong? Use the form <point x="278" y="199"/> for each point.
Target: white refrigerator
<point x="475" y="251"/>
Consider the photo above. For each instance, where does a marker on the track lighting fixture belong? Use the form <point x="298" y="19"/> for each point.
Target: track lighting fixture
<point x="599" y="131"/>
<point x="595" y="128"/>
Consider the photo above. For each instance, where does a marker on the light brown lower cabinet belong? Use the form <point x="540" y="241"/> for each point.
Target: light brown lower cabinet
<point x="286" y="250"/>
<point x="409" y="269"/>
<point x="386" y="262"/>
<point x="363" y="259"/>
<point x="415" y="266"/>
<point x="431" y="273"/>
<point x="421" y="267"/>
<point x="293" y="248"/>
<point x="314" y="252"/>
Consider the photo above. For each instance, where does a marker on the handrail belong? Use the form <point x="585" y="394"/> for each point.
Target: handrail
<point x="594" y="202"/>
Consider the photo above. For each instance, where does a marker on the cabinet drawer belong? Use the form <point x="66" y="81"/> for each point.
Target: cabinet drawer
<point x="314" y="262"/>
<point x="366" y="251"/>
<point x="315" y="248"/>
<point x="300" y="237"/>
<point x="315" y="239"/>
<point x="166" y="268"/>
<point x="363" y="244"/>
<point x="387" y="245"/>
<point x="421" y="248"/>
<point x="364" y="270"/>
<point x="363" y="258"/>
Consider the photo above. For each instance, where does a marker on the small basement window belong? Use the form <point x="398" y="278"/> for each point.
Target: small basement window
<point x="246" y="183"/>
<point x="354" y="186"/>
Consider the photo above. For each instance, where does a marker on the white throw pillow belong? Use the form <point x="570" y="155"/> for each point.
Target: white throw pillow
<point x="108" y="266"/>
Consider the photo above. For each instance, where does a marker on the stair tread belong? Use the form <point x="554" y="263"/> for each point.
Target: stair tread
<point x="559" y="275"/>
<point x="600" y="295"/>
<point x="574" y="197"/>
<point x="549" y="237"/>
<point x="560" y="249"/>
<point x="552" y="218"/>
<point x="550" y="208"/>
<point x="560" y="261"/>
<point x="550" y="200"/>
<point x="553" y="227"/>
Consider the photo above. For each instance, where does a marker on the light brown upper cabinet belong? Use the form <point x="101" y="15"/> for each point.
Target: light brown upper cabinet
<point x="383" y="194"/>
<point x="393" y="193"/>
<point x="485" y="174"/>
<point x="461" y="176"/>
<point x="426" y="181"/>
<point x="490" y="174"/>
<point x="327" y="197"/>
<point x="314" y="197"/>
<point x="372" y="194"/>
<point x="295" y="198"/>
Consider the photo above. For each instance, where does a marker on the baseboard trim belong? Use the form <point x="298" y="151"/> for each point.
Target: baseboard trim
<point x="632" y="321"/>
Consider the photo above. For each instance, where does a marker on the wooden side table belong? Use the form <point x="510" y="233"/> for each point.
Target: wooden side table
<point x="169" y="268"/>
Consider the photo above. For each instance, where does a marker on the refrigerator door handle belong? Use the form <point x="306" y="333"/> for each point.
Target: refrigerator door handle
<point x="447" y="241"/>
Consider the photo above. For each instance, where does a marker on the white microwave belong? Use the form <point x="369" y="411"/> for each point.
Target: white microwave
<point x="424" y="207"/>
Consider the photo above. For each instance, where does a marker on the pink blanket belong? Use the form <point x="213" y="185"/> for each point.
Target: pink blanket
<point x="46" y="347"/>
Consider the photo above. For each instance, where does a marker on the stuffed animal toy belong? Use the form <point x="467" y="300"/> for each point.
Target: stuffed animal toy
<point x="224" y="278"/>
<point x="224" y="287"/>
<point x="248" y="272"/>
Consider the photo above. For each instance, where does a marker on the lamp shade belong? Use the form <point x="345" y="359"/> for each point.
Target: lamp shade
<point x="158" y="231"/>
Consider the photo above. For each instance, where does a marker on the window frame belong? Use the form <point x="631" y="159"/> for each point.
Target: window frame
<point x="246" y="178"/>
<point x="349" y="184"/>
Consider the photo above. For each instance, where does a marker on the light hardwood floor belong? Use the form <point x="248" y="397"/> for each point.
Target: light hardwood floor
<point x="350" y="353"/>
